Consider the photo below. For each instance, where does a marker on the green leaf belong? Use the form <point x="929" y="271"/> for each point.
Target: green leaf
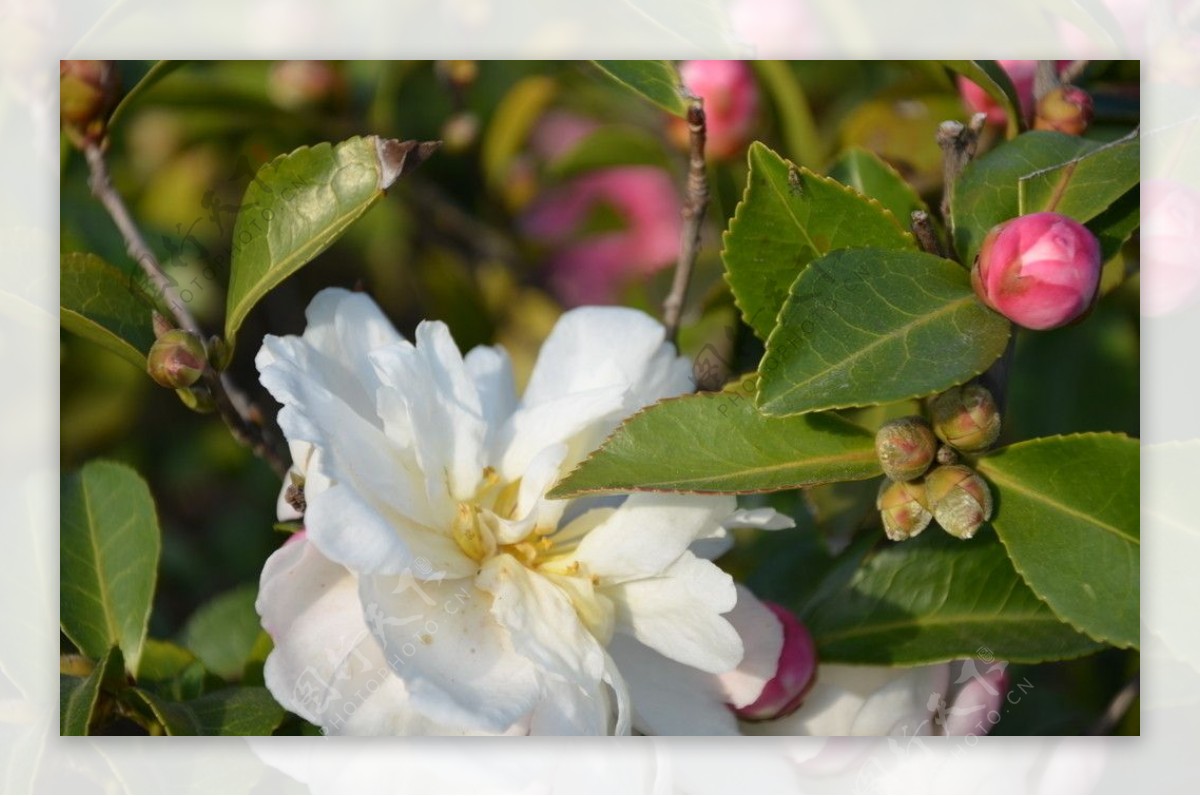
<point x="787" y="218"/>
<point x="609" y="146"/>
<point x="300" y="203"/>
<point x="992" y="78"/>
<point x="79" y="696"/>
<point x="230" y="711"/>
<point x="107" y="306"/>
<point x="657" y="81"/>
<point x="1114" y="226"/>
<point x="507" y="134"/>
<point x="988" y="191"/>
<point x="869" y="326"/>
<point x="870" y="175"/>
<point x="162" y="660"/>
<point x="222" y="633"/>
<point x="109" y="559"/>
<point x="936" y="598"/>
<point x="1086" y="186"/>
<point x="718" y="443"/>
<point x="1067" y="509"/>
<point x="155" y="73"/>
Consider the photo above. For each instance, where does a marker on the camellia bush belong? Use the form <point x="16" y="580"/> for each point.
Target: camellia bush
<point x="718" y="397"/>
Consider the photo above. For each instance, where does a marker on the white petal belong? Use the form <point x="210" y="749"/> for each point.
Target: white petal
<point x="430" y="398"/>
<point x="542" y="622"/>
<point x="597" y="347"/>
<point x="669" y="698"/>
<point x="766" y="518"/>
<point x="352" y="456"/>
<point x="865" y="700"/>
<point x="568" y="710"/>
<point x="491" y="370"/>
<point x="679" y="614"/>
<point x="597" y="366"/>
<point x="456" y="661"/>
<point x="649" y="532"/>
<point x="762" y="637"/>
<point x="325" y="666"/>
<point x="369" y="539"/>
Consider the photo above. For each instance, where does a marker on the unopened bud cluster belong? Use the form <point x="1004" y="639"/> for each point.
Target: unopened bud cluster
<point x="964" y="419"/>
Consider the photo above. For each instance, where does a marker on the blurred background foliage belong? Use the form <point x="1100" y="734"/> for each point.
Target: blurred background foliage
<point x="460" y="240"/>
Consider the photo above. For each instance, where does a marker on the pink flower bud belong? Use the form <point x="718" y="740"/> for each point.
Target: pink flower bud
<point x="1040" y="271"/>
<point x="785" y="692"/>
<point x="975" y="707"/>
<point x="730" y="104"/>
<point x="977" y="100"/>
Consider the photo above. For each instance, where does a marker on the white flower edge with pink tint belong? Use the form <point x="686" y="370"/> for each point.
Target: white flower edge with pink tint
<point x="436" y="589"/>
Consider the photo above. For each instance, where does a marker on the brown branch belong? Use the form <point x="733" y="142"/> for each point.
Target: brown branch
<point x="695" y="203"/>
<point x="958" y="143"/>
<point x="241" y="417"/>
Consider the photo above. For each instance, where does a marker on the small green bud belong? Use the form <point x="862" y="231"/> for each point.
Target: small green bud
<point x="199" y="399"/>
<point x="960" y="499"/>
<point x="966" y="418"/>
<point x="904" y="509"/>
<point x="176" y="359"/>
<point x="88" y="91"/>
<point x="905" y="447"/>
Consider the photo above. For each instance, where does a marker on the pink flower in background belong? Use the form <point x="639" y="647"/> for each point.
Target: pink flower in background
<point x="1170" y="237"/>
<point x="592" y="268"/>
<point x="1040" y="271"/>
<point x="979" y="101"/>
<point x="730" y="104"/>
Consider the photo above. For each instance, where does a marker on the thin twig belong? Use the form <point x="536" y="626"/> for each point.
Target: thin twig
<point x="922" y="228"/>
<point x="1045" y="79"/>
<point x="1120" y="705"/>
<point x="958" y="143"/>
<point x="241" y="417"/>
<point x="695" y="203"/>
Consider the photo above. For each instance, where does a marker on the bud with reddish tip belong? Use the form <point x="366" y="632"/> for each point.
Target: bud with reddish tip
<point x="1040" y="271"/>
<point x="88" y="91"/>
<point x="177" y="359"/>
<point x="904" y="508"/>
<point x="730" y="105"/>
<point x="960" y="499"/>
<point x="966" y="418"/>
<point x="784" y="693"/>
<point x="905" y="447"/>
<point x="1067" y="109"/>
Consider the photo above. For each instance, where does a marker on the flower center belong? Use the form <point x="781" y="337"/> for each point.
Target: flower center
<point x="482" y="523"/>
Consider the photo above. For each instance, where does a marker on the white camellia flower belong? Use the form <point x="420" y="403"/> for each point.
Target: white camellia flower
<point x="436" y="590"/>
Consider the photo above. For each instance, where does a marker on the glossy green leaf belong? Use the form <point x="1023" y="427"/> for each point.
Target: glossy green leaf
<point x="155" y="73"/>
<point x="870" y="175"/>
<point x="1086" y="186"/>
<point x="657" y="81"/>
<point x="108" y="561"/>
<point x="787" y="218"/>
<point x="936" y="598"/>
<point x="869" y="326"/>
<point x="163" y="660"/>
<point x="79" y="696"/>
<point x="300" y="203"/>
<point x="719" y="443"/>
<point x="1067" y="510"/>
<point x="988" y="191"/>
<point x="231" y="711"/>
<point x="222" y="633"/>
<point x="992" y="78"/>
<point x="1114" y="226"/>
<point x="99" y="301"/>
